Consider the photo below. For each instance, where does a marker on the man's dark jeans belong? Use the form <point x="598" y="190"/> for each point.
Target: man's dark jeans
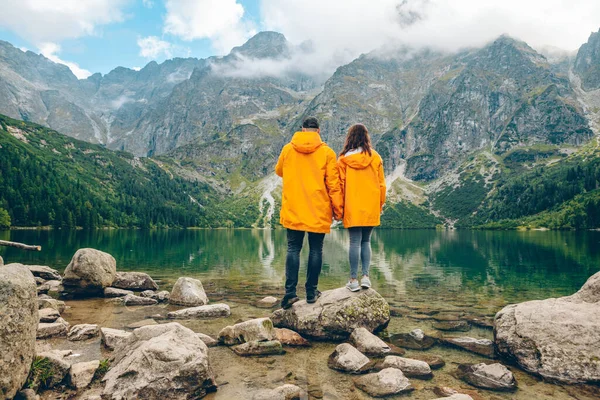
<point x="292" y="261"/>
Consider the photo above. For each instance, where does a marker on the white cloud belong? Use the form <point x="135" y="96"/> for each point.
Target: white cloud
<point x="340" y="30"/>
<point x="152" y="47"/>
<point x="218" y="20"/>
<point x="41" y="21"/>
<point x="148" y="3"/>
<point x="50" y="50"/>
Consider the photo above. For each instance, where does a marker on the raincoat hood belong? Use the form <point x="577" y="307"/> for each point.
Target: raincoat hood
<point x="357" y="159"/>
<point x="306" y="142"/>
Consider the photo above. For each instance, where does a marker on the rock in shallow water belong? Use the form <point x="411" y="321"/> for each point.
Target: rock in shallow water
<point x="386" y="382"/>
<point x="487" y="376"/>
<point x="44" y="272"/>
<point x="111" y="338"/>
<point x="267" y="302"/>
<point x="336" y="314"/>
<point x="112" y="292"/>
<point x="18" y="325"/>
<point x="415" y="340"/>
<point x="484" y="347"/>
<point x="370" y="345"/>
<point x="160" y="362"/>
<point x="452" y="326"/>
<point x="208" y="311"/>
<point x="188" y="292"/>
<point x="254" y="348"/>
<point x="285" y="392"/>
<point x="346" y="358"/>
<point x="81" y="374"/>
<point x="209" y="341"/>
<point x="409" y="367"/>
<point x="288" y="337"/>
<point x="260" y="329"/>
<point x="83" y="332"/>
<point x="133" y="300"/>
<point x="434" y="362"/>
<point x="52" y="329"/>
<point x="555" y="338"/>
<point x="58" y="305"/>
<point x="161" y="296"/>
<point x="89" y="272"/>
<point x="48" y="315"/>
<point x="134" y="281"/>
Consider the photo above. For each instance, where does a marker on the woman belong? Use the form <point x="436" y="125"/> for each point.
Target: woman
<point x="363" y="188"/>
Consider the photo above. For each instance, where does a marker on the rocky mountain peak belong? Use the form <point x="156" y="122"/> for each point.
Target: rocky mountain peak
<point x="266" y="44"/>
<point x="587" y="63"/>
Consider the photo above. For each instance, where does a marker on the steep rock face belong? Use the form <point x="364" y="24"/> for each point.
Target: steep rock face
<point x="587" y="63"/>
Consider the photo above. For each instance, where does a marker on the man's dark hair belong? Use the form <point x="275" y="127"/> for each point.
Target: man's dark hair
<point x="310" y="123"/>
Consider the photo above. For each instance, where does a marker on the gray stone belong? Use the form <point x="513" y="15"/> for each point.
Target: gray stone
<point x="434" y="362"/>
<point x="134" y="281"/>
<point x="53" y="288"/>
<point x="411" y="368"/>
<point x="161" y="296"/>
<point x="188" y="292"/>
<point x="260" y="329"/>
<point x="452" y="326"/>
<point x="285" y="392"/>
<point x="139" y="324"/>
<point x="287" y="337"/>
<point x="133" y="300"/>
<point x="267" y="302"/>
<point x="555" y="338"/>
<point x="371" y="345"/>
<point x="48" y="315"/>
<point x="415" y="340"/>
<point x="484" y="347"/>
<point x="112" y="292"/>
<point x="89" y="272"/>
<point x="59" y="368"/>
<point x="346" y="358"/>
<point x="255" y="348"/>
<point x="57" y="305"/>
<point x="83" y="332"/>
<point x="18" y="324"/>
<point x="336" y="314"/>
<point x="52" y="329"/>
<point x="207" y="311"/>
<point x="81" y="374"/>
<point x="208" y="340"/>
<point x="488" y="376"/>
<point x="46" y="273"/>
<point x="112" y="337"/>
<point x="386" y="382"/>
<point x="160" y="362"/>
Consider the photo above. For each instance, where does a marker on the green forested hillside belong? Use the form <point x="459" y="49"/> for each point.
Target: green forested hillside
<point x="47" y="179"/>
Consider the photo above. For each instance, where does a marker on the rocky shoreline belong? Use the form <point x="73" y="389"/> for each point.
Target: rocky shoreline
<point x="161" y="357"/>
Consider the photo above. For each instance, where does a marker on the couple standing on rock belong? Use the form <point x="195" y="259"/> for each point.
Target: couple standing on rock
<point x="318" y="187"/>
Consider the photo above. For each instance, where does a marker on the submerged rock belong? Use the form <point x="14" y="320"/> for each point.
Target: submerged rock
<point x="46" y="273"/>
<point x="452" y="326"/>
<point x="134" y="281"/>
<point x="255" y="348"/>
<point x="83" y="332"/>
<point x="484" y="347"/>
<point x="487" y="376"/>
<point x="208" y="340"/>
<point x="267" y="302"/>
<point x="48" y="315"/>
<point x="555" y="338"/>
<point x="188" y="292"/>
<point x="260" y="329"/>
<point x="371" y="345"/>
<point x="346" y="358"/>
<point x="111" y="338"/>
<point x="112" y="292"/>
<point x="285" y="392"/>
<point x="386" y="382"/>
<point x="288" y="337"/>
<point x="89" y="272"/>
<point x="411" y="368"/>
<point x="144" y="322"/>
<point x="415" y="340"/>
<point x="336" y="314"/>
<point x="133" y="300"/>
<point x="81" y="374"/>
<point x="208" y="311"/>
<point x="160" y="362"/>
<point x="18" y="324"/>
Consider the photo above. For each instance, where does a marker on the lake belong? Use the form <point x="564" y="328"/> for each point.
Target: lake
<point x="474" y="272"/>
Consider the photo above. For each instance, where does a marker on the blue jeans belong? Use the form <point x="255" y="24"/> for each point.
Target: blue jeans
<point x="295" y="240"/>
<point x="360" y="247"/>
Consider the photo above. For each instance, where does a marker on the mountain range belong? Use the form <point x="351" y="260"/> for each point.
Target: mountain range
<point x="454" y="129"/>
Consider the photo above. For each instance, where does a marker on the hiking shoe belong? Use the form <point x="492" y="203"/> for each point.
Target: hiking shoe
<point x="353" y="285"/>
<point x="311" y="298"/>
<point x="365" y="282"/>
<point x="287" y="302"/>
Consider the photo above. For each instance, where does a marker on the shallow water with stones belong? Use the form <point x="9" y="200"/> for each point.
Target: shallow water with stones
<point x="424" y="275"/>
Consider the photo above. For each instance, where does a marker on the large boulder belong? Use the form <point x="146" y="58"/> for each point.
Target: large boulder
<point x="188" y="292"/>
<point x="134" y="281"/>
<point x="165" y="361"/>
<point x="555" y="338"/>
<point x="89" y="272"/>
<point x="18" y="326"/>
<point x="259" y="329"/>
<point x="336" y="314"/>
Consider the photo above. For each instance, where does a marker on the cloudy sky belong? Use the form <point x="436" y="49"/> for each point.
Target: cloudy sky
<point x="98" y="35"/>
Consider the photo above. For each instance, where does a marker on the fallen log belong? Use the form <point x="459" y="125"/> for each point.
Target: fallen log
<point x="20" y="245"/>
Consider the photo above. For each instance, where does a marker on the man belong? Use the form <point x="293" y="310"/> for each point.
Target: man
<point x="311" y="197"/>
